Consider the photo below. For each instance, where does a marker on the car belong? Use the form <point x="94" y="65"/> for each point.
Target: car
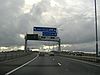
<point x="51" y="54"/>
<point x="41" y="54"/>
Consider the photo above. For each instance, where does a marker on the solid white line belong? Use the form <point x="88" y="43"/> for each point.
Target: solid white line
<point x="21" y="66"/>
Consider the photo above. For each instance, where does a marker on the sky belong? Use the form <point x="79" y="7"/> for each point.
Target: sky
<point x="74" y="20"/>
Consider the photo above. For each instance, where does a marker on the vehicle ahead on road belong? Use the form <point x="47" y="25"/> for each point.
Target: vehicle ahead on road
<point x="51" y="54"/>
<point x="41" y="53"/>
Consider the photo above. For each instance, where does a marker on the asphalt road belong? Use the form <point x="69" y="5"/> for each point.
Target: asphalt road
<point x="47" y="65"/>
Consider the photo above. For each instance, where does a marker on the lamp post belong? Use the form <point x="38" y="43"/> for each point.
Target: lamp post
<point x="96" y="30"/>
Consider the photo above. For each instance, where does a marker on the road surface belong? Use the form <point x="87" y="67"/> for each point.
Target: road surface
<point x="47" y="65"/>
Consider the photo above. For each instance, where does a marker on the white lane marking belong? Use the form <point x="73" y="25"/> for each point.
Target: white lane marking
<point x="59" y="64"/>
<point x="21" y="66"/>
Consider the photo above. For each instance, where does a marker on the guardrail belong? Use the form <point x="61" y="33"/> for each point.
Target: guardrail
<point x="85" y="58"/>
<point x="13" y="54"/>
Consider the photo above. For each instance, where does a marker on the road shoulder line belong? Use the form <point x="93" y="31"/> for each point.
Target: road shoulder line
<point x="86" y="62"/>
<point x="8" y="73"/>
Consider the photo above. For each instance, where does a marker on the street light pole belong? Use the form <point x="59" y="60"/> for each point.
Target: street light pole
<point x="95" y="2"/>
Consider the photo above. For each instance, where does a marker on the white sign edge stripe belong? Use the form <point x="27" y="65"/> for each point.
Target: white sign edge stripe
<point x="21" y="66"/>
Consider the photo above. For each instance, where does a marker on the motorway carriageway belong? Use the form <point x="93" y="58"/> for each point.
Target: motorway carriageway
<point x="48" y="65"/>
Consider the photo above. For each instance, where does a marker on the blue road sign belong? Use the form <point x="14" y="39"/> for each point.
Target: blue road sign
<point x="45" y="29"/>
<point x="49" y="33"/>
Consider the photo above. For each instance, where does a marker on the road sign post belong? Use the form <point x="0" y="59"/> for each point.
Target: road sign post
<point x="30" y="37"/>
<point x="96" y="29"/>
<point x="59" y="43"/>
<point x="48" y="34"/>
<point x="25" y="42"/>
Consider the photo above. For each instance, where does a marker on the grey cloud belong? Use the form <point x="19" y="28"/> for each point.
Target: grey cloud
<point x="75" y="23"/>
<point x="9" y="11"/>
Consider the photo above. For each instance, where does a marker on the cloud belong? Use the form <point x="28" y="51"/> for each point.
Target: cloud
<point x="74" y="20"/>
<point x="9" y="12"/>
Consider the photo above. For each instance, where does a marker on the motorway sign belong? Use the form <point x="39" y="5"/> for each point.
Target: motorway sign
<point x="49" y="34"/>
<point x="32" y="37"/>
<point x="46" y="31"/>
<point x="48" y="38"/>
<point x="43" y="29"/>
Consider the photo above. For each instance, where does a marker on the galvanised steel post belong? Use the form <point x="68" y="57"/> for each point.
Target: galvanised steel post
<point x="96" y="29"/>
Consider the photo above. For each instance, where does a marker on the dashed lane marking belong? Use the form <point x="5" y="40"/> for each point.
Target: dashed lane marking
<point x="59" y="64"/>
